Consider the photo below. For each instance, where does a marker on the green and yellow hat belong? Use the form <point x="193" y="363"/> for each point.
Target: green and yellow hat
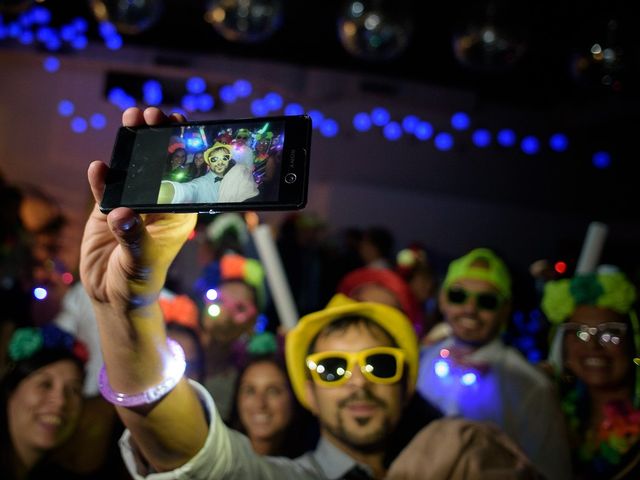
<point x="299" y="339"/>
<point x="495" y="272"/>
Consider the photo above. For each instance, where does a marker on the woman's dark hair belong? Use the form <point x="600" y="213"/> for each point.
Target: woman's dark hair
<point x="302" y="433"/>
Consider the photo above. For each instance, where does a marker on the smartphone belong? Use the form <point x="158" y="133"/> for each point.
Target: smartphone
<point x="211" y="166"/>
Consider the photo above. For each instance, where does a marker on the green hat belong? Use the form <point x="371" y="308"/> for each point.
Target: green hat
<point x="495" y="272"/>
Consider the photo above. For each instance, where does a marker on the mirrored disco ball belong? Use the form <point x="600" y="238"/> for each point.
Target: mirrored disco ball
<point x="14" y="6"/>
<point x="375" y="30"/>
<point x="130" y="17"/>
<point x="245" y="21"/>
<point x="487" y="48"/>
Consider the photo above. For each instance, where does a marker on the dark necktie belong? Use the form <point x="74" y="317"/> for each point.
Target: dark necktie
<point x="218" y="179"/>
<point x="357" y="473"/>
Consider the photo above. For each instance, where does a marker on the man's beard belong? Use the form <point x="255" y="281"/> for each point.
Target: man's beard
<point x="374" y="441"/>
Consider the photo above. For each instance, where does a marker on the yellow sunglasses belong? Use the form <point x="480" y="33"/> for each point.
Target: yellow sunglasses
<point x="378" y="365"/>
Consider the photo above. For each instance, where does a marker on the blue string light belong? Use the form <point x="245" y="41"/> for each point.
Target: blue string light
<point x="443" y="141"/>
<point x="506" y="138"/>
<point x="79" y="125"/>
<point x="196" y="85"/>
<point x="460" y="121"/>
<point x="293" y="109"/>
<point x="98" y="121"/>
<point x="559" y="142"/>
<point x="392" y="131"/>
<point x="205" y="102"/>
<point x="51" y="64"/>
<point x="259" y="107"/>
<point x="530" y="145"/>
<point x="423" y="131"/>
<point x="380" y="116"/>
<point x="329" y="127"/>
<point x="601" y="159"/>
<point x="362" y="122"/>
<point x="66" y="108"/>
<point x="152" y="92"/>
<point x="409" y="123"/>
<point x="227" y="94"/>
<point x="273" y="101"/>
<point x="481" y="138"/>
<point x="242" y="88"/>
<point x="316" y="118"/>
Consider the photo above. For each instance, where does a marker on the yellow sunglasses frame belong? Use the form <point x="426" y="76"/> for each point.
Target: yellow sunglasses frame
<point x="314" y="359"/>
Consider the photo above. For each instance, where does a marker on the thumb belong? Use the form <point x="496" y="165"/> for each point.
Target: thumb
<point x="128" y="229"/>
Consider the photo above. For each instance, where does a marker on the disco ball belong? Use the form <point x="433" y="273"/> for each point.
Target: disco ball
<point x="487" y="48"/>
<point x="245" y="21"/>
<point x="374" y="29"/>
<point x="129" y="17"/>
<point x="14" y="6"/>
<point x="602" y="66"/>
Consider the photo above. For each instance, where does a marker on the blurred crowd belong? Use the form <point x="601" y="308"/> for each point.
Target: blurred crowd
<point x="545" y="358"/>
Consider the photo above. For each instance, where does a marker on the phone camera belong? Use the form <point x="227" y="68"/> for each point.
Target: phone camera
<point x="290" y="178"/>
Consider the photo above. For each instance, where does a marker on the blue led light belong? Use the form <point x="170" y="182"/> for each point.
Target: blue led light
<point x="530" y="145"/>
<point x="26" y="19"/>
<point x="227" y="94"/>
<point x="293" y="109"/>
<point x="114" y="42"/>
<point x="195" y="143"/>
<point x="152" y="92"/>
<point x="107" y="30"/>
<point x="423" y="131"/>
<point x="66" y="108"/>
<point x="67" y="33"/>
<point x="601" y="159"/>
<point x="79" y="125"/>
<point x="559" y="142"/>
<point x="460" y="121"/>
<point x="116" y="95"/>
<point x="196" y="85"/>
<point x="443" y="141"/>
<point x="51" y="64"/>
<point x="242" y="87"/>
<point x="506" y="137"/>
<point x="380" y="116"/>
<point x="98" y="121"/>
<point x="259" y="107"/>
<point x="409" y="123"/>
<point x="40" y="293"/>
<point x="26" y="38"/>
<point x="481" y="138"/>
<point x="362" y="122"/>
<point x="468" y="379"/>
<point x="329" y="127"/>
<point x="80" y="42"/>
<point x="14" y="29"/>
<point x="273" y="101"/>
<point x="44" y="34"/>
<point x="4" y="33"/>
<point x="189" y="102"/>
<point x="80" y="24"/>
<point x="53" y="44"/>
<point x="441" y="368"/>
<point x="392" y="131"/>
<point x="316" y="118"/>
<point x="41" y="15"/>
<point x="205" y="102"/>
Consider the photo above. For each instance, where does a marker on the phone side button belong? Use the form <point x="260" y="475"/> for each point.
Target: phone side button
<point x="290" y="178"/>
<point x="210" y="212"/>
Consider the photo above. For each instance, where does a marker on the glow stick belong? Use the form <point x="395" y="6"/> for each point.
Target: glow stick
<point x="276" y="277"/>
<point x="592" y="248"/>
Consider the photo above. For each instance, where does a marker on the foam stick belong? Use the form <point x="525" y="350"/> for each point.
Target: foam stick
<point x="276" y="277"/>
<point x="592" y="248"/>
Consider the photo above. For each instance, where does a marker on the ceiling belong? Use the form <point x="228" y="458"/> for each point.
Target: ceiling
<point x="550" y="32"/>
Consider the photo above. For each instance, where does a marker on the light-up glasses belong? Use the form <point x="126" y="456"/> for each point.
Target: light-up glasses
<point x="378" y="365"/>
<point x="484" y="300"/>
<point x="609" y="333"/>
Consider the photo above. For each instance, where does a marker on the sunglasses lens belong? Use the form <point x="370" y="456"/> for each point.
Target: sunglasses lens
<point x="331" y="369"/>
<point x="381" y="365"/>
<point x="488" y="301"/>
<point x="457" y="296"/>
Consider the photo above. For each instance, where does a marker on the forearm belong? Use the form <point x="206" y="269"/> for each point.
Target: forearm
<point x="171" y="431"/>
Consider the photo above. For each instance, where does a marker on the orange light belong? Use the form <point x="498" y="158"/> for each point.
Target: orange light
<point x="192" y="235"/>
<point x="560" y="267"/>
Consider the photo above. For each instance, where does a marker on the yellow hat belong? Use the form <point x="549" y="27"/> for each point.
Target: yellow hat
<point x="209" y="151"/>
<point x="496" y="272"/>
<point x="394" y="322"/>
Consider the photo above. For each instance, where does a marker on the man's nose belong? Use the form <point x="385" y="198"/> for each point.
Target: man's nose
<point x="357" y="379"/>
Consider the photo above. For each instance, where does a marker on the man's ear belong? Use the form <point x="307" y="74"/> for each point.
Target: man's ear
<point x="310" y="394"/>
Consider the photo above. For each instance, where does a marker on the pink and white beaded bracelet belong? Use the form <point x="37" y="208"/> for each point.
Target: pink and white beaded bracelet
<point x="173" y="372"/>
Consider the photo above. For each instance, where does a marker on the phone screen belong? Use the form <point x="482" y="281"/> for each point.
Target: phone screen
<point x="259" y="163"/>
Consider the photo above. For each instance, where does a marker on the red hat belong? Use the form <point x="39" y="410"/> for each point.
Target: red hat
<point x="389" y="280"/>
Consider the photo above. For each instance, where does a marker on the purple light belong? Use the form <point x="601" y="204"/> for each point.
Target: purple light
<point x="293" y="109"/>
<point x="66" y="108"/>
<point x="409" y="123"/>
<point x="601" y="159"/>
<point x="530" y="145"/>
<point x="329" y="127"/>
<point x="460" y="121"/>
<point x="98" y="121"/>
<point x="79" y="125"/>
<point x="362" y="122"/>
<point x="423" y="131"/>
<point x="380" y="116"/>
<point x="559" y="142"/>
<point x="481" y="138"/>
<point x="242" y="88"/>
<point x="259" y="107"/>
<point x="392" y="131"/>
<point x="196" y="85"/>
<point x="506" y="137"/>
<point x="443" y="141"/>
<point x="51" y="64"/>
<point x="227" y="94"/>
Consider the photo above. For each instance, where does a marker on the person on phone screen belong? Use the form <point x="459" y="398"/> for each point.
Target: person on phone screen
<point x="226" y="181"/>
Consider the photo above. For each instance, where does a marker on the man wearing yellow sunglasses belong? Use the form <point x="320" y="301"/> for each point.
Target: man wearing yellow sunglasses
<point x="353" y="364"/>
<point x="473" y="374"/>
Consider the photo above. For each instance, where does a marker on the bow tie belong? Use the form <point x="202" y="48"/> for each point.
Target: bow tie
<point x="218" y="179"/>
